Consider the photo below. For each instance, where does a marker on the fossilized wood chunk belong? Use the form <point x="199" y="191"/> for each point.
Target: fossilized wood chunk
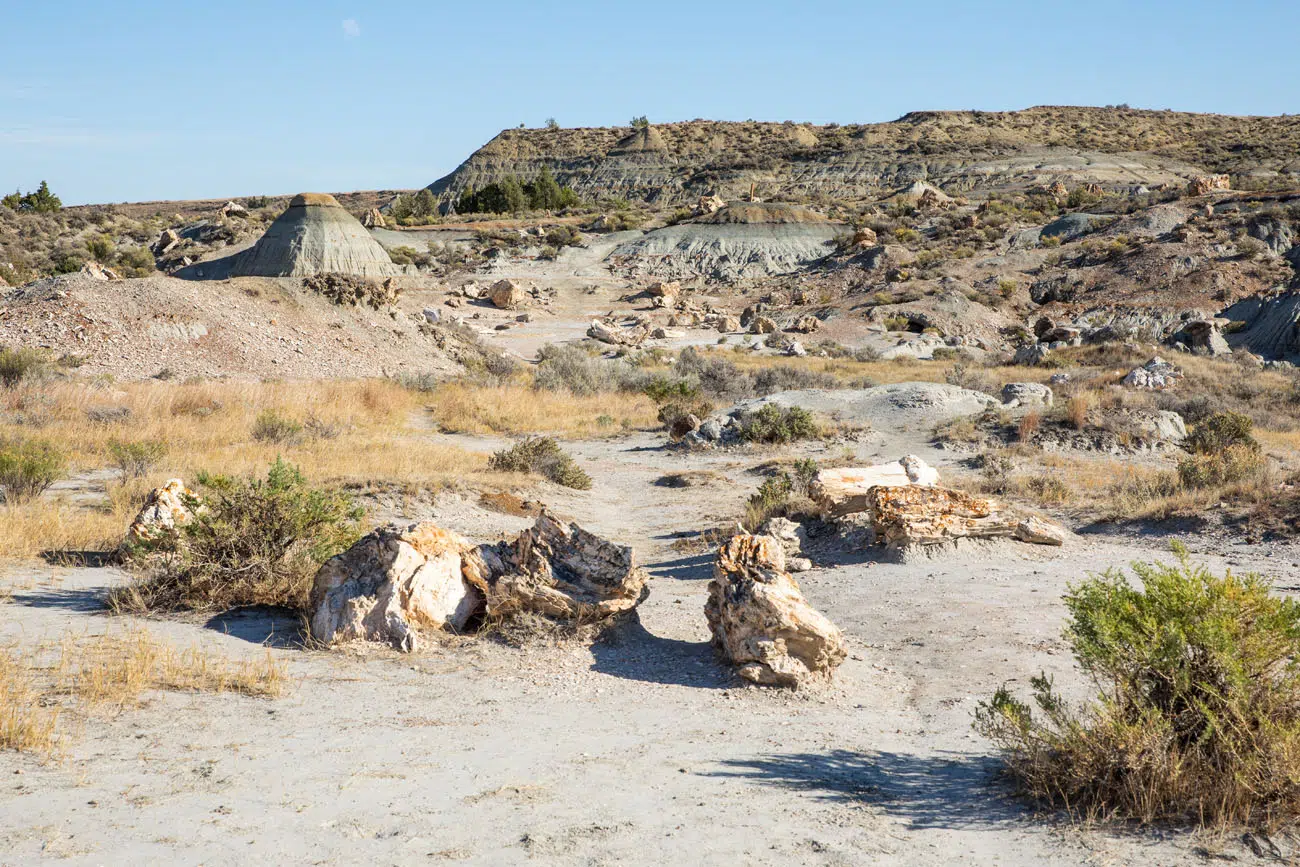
<point x="390" y="582"/>
<point x="165" y="511"/>
<point x="761" y="621"/>
<point x="845" y="490"/>
<point x="559" y="570"/>
<point x="918" y="515"/>
<point x="506" y="294"/>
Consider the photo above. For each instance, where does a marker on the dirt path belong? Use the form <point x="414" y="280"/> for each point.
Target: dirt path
<point x="641" y="751"/>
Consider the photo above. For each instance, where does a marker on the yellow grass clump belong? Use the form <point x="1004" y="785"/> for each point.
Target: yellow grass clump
<point x="459" y="407"/>
<point x="24" y="724"/>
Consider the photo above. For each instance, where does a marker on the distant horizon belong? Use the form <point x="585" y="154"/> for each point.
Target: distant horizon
<point x="146" y="102"/>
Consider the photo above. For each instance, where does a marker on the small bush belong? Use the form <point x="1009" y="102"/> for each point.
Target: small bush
<point x="253" y="542"/>
<point x="271" y="427"/>
<point x="27" y="469"/>
<point x="1197" y="709"/>
<point x="134" y="459"/>
<point x="22" y="363"/>
<point x="573" y="369"/>
<point x="544" y="456"/>
<point x="775" y="424"/>
<point x="1236" y="463"/>
<point x="1220" y="431"/>
<point x="1077" y="409"/>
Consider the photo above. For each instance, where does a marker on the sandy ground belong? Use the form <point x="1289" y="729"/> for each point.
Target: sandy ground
<point x="642" y="750"/>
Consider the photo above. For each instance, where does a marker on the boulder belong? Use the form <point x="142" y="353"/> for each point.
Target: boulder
<point x="806" y="324"/>
<point x="234" y="209"/>
<point x="1026" y="394"/>
<point x="795" y="348"/>
<point x="760" y="620"/>
<point x="373" y="219"/>
<point x="664" y="289"/>
<point x="911" y="516"/>
<point x="845" y="490"/>
<point x="789" y="533"/>
<point x="1032" y="355"/>
<point x="762" y="325"/>
<point x="1155" y="374"/>
<point x="96" y="271"/>
<point x="392" y="581"/>
<point x="165" y="511"/>
<point x="167" y="239"/>
<point x="863" y="238"/>
<point x="727" y="324"/>
<point x="1162" y="424"/>
<point x="709" y="205"/>
<point x="607" y="332"/>
<point x="558" y="570"/>
<point x="506" y="294"/>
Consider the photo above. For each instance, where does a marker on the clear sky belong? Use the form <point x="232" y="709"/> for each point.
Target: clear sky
<point x="133" y="100"/>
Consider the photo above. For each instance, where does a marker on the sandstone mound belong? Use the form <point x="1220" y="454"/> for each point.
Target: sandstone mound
<point x="884" y="406"/>
<point x="315" y="235"/>
<point x="761" y="621"/>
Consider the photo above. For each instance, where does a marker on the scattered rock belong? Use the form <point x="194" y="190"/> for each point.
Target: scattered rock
<point x="390" y="582"/>
<point x="664" y="289"/>
<point x="709" y="205"/>
<point x="1205" y="184"/>
<point x="1031" y="355"/>
<point x="760" y="620"/>
<point x="234" y="209"/>
<point x="167" y="239"/>
<point x="96" y="271"/>
<point x="1202" y="336"/>
<point x="762" y="325"/>
<point x="727" y="324"/>
<point x="373" y="219"/>
<point x="806" y="324"/>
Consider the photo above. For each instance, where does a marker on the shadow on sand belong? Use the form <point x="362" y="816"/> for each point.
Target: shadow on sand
<point x="269" y="627"/>
<point x="632" y="653"/>
<point x="952" y="790"/>
<point x="91" y="600"/>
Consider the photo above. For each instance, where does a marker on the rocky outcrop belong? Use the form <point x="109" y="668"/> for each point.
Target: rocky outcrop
<point x="760" y="621"/>
<point x="165" y="511"/>
<point x="167" y="240"/>
<point x="391" y="582"/>
<point x="917" y="516"/>
<point x="845" y="490"/>
<point x="558" y="570"/>
<point x="1155" y="374"/>
<point x="374" y="219"/>
<point x="96" y="271"/>
<point x="1203" y="337"/>
<point x="1207" y="184"/>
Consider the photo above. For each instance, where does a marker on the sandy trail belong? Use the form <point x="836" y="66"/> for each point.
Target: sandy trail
<point x="640" y="751"/>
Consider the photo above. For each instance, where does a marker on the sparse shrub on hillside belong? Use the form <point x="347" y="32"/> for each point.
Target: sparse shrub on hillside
<point x="773" y="424"/>
<point x="134" y="458"/>
<point x="28" y="469"/>
<point x="22" y="363"/>
<point x="135" y="262"/>
<point x="1221" y="431"/>
<point x="255" y="542"/>
<point x="1236" y="463"/>
<point x="571" y="368"/>
<point x="100" y="248"/>
<point x="1197" y="710"/>
<point x="544" y="456"/>
<point x="272" y="427"/>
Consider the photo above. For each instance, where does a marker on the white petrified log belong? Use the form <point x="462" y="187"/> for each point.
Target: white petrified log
<point x="165" y="511"/>
<point x="761" y="621"/>
<point x="390" y="582"/>
<point x="844" y="490"/>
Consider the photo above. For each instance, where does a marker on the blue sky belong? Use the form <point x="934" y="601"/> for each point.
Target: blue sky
<point x="132" y="100"/>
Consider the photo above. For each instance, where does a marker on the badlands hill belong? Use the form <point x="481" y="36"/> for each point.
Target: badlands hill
<point x="959" y="150"/>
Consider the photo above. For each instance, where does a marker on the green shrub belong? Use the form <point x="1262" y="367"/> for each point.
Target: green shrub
<point x="573" y="369"/>
<point x="28" y="468"/>
<point x="134" y="459"/>
<point x="1236" y="463"/>
<point x="674" y="414"/>
<point x="271" y="427"/>
<point x="100" y="247"/>
<point x="253" y="542"/>
<point x="777" y="424"/>
<point x="544" y="456"/>
<point x="1197" y="709"/>
<point x="1221" y="430"/>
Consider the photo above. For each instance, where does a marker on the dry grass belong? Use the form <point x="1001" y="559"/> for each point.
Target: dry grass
<point x="458" y="407"/>
<point x="25" y="725"/>
<point x="118" y="668"/>
<point x="113" y="671"/>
